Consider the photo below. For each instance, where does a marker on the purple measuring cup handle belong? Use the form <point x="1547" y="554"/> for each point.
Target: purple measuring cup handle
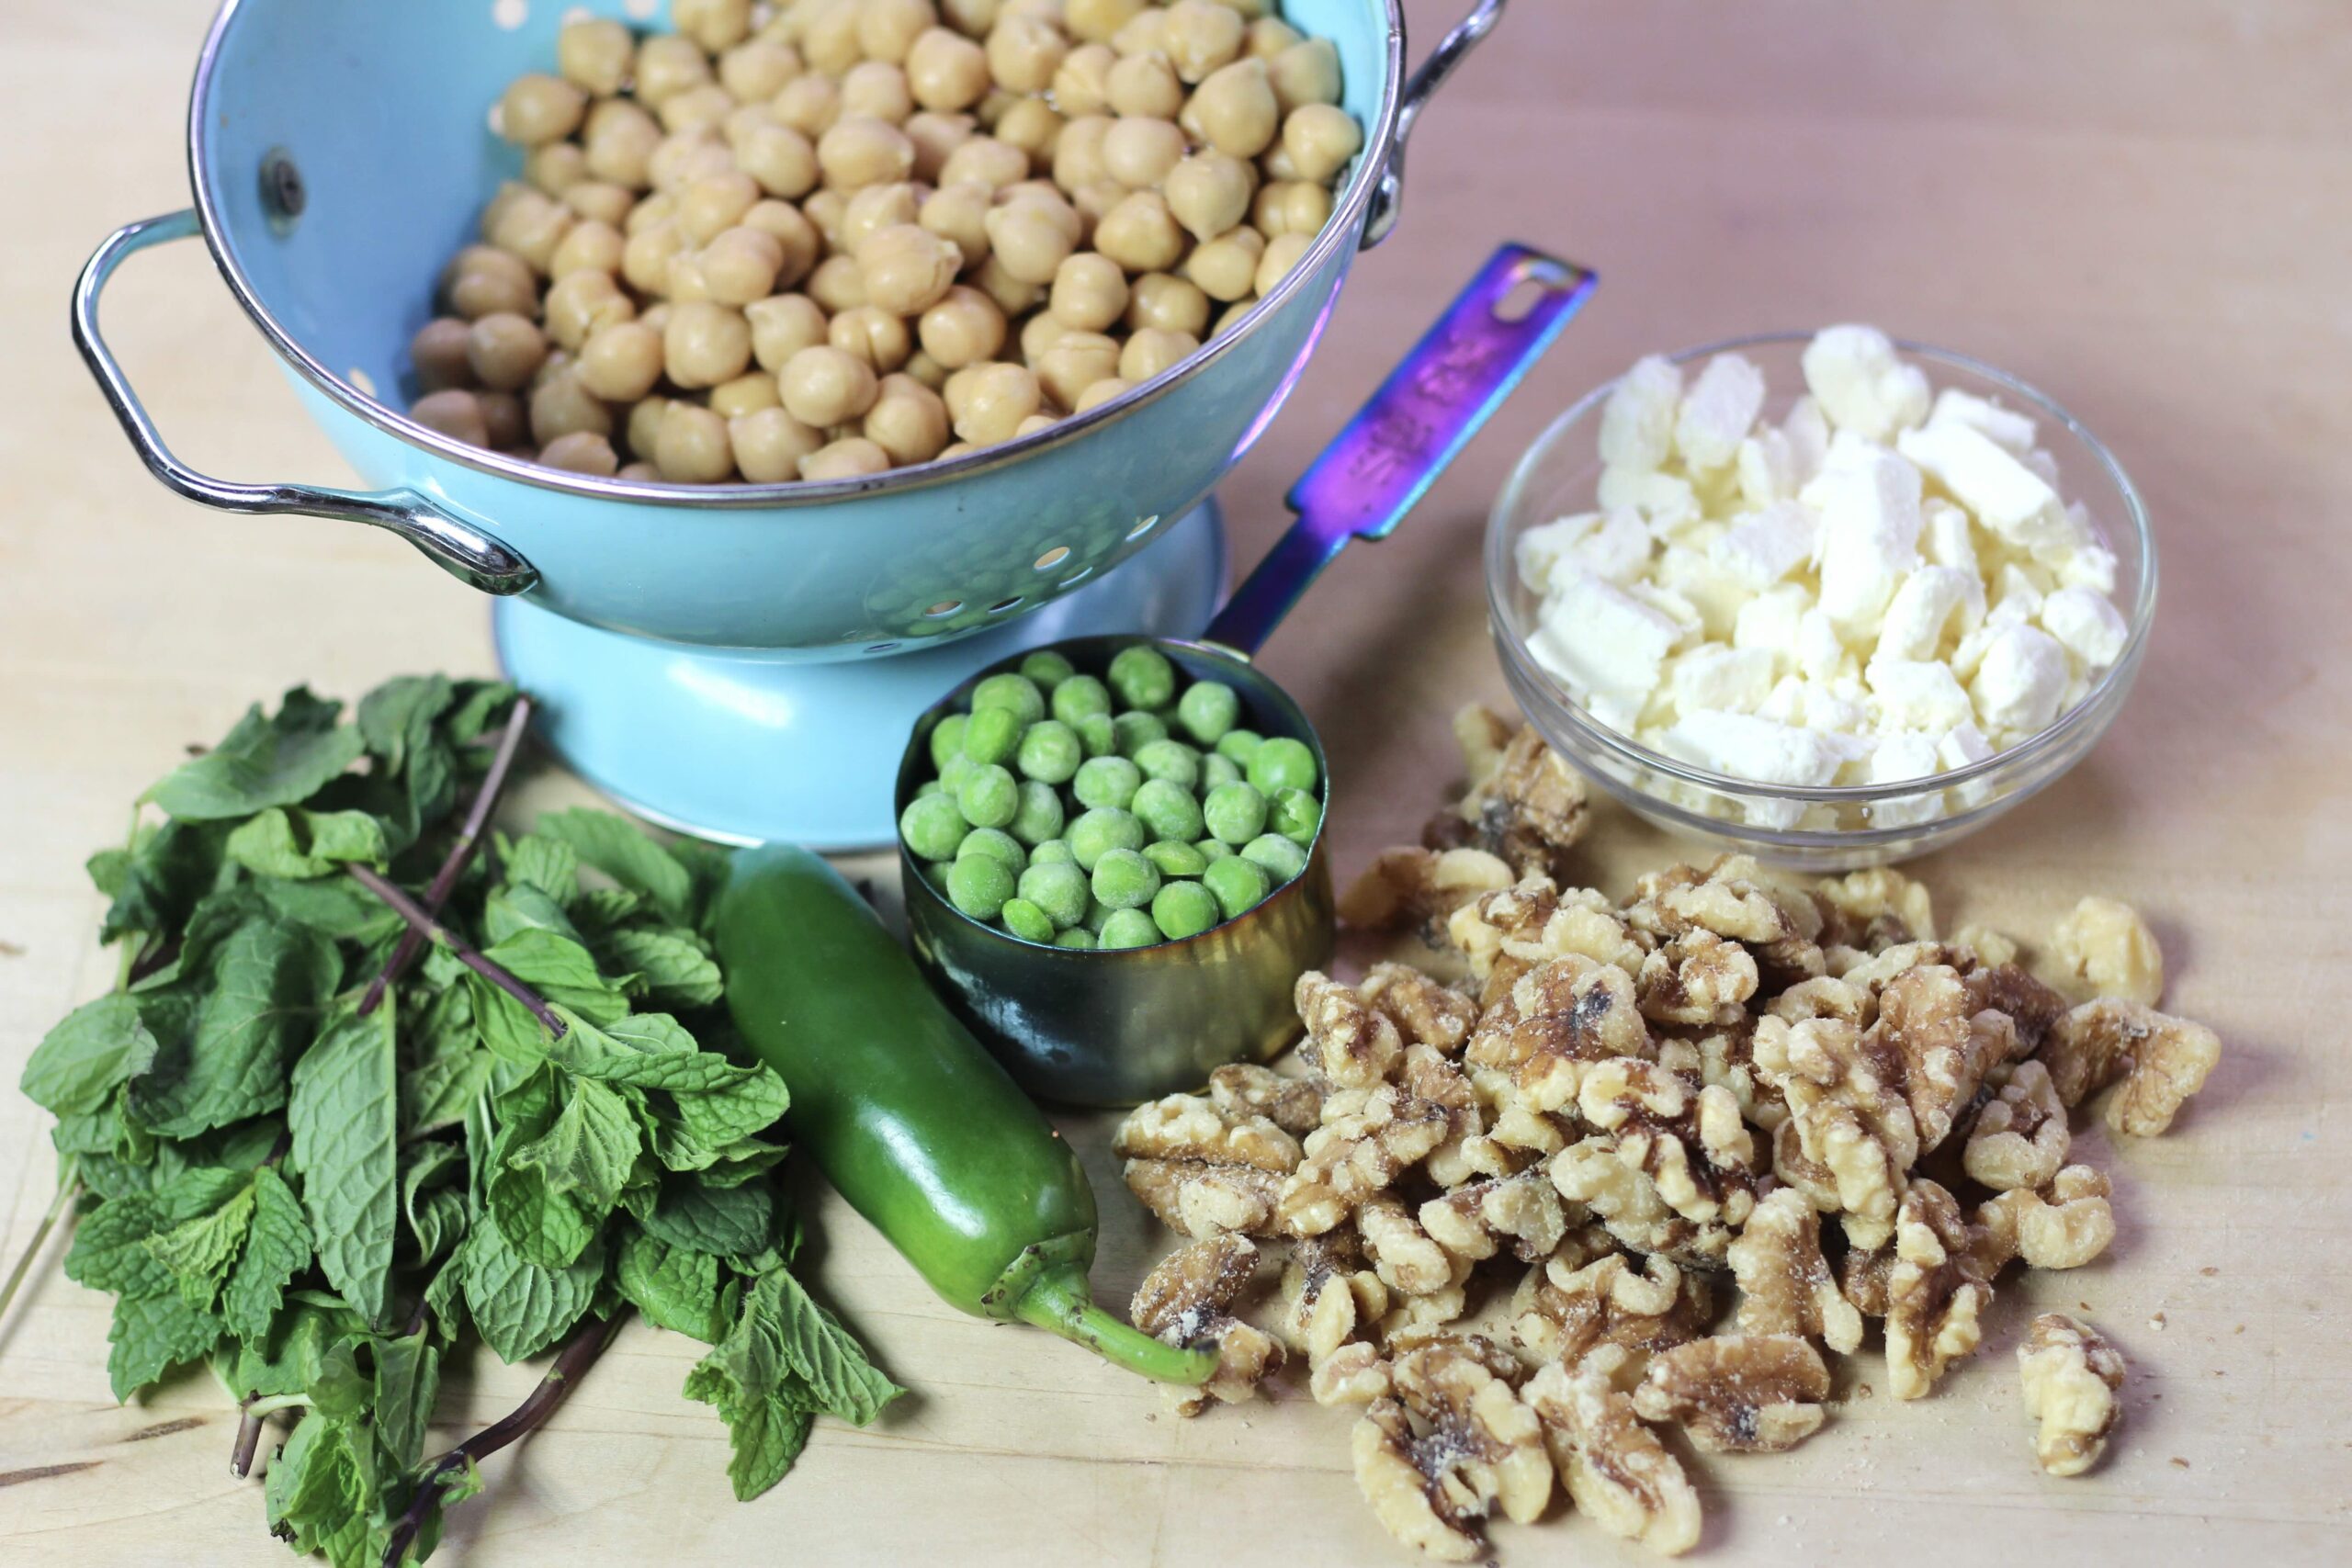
<point x="1399" y="443"/>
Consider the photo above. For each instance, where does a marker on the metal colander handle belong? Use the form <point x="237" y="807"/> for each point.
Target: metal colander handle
<point x="1388" y="196"/>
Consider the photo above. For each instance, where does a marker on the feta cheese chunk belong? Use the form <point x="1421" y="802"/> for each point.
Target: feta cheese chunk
<point x="1767" y="469"/>
<point x="1854" y="374"/>
<point x="1965" y="747"/>
<point x="1945" y="539"/>
<point x="2021" y="679"/>
<point x="1923" y="607"/>
<point x="1664" y="501"/>
<point x="1637" y="423"/>
<point x="1919" y="693"/>
<point x="2006" y="428"/>
<point x="1602" y="641"/>
<point x="1910" y="754"/>
<point x="2092" y="567"/>
<point x="1769" y="622"/>
<point x="1751" y="748"/>
<point x="1821" y="653"/>
<point x="2008" y="498"/>
<point x="1612" y="545"/>
<point x="1869" y="531"/>
<point x="1718" y="411"/>
<point x="1764" y="546"/>
<point x="2086" y="626"/>
<point x="1733" y="680"/>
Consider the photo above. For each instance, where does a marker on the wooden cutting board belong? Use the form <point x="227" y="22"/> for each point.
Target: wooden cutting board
<point x="2143" y="207"/>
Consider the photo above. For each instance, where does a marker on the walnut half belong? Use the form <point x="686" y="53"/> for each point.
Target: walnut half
<point x="2161" y="1060"/>
<point x="1614" y="1467"/>
<point x="1739" y="1392"/>
<point x="2070" y="1375"/>
<point x="1454" y="1444"/>
<point x="1188" y="1301"/>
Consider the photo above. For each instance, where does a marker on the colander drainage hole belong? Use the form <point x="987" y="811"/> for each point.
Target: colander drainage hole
<point x="945" y="607"/>
<point x="1143" y="525"/>
<point x="1052" y="557"/>
<point x="880" y="646"/>
<point x="1075" y="578"/>
<point x="1002" y="605"/>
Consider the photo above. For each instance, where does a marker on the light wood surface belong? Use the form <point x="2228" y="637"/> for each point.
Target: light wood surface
<point x="2144" y="208"/>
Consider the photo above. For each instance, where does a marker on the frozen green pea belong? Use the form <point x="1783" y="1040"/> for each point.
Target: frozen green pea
<point x="1025" y="921"/>
<point x="930" y="787"/>
<point x="1207" y="710"/>
<point x="1017" y="695"/>
<point x="1098" y="915"/>
<point x="1183" y="908"/>
<point x="1039" y="818"/>
<point x="954" y="771"/>
<point x="937" y="870"/>
<point x="1237" y="884"/>
<point x="1124" y="880"/>
<point x="1170" y="759"/>
<point x="1127" y="928"/>
<point x="979" y="884"/>
<point x="1235" y="813"/>
<point x="992" y="735"/>
<point x="988" y="798"/>
<point x="1051" y="751"/>
<point x="1096" y="733"/>
<point x="1280" y="858"/>
<point x="1077" y="938"/>
<point x="1175" y="858"/>
<point x="1053" y="851"/>
<point x="1106" y="782"/>
<point x="1239" y="744"/>
<point x="947" y="738"/>
<point x="932" y="827"/>
<point x="1281" y="764"/>
<point x="1100" y="830"/>
<point x="1216" y="768"/>
<point x="1079" y="697"/>
<point x="1137" y="730"/>
<point x="1167" y="810"/>
<point x="1296" y="815"/>
<point x="1143" y="677"/>
<point x="1059" y="890"/>
<point x="1047" y="669"/>
<point x="1212" y="849"/>
<point x="996" y="843"/>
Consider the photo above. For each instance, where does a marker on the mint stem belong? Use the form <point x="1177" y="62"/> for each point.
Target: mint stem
<point x="461" y="853"/>
<point x="69" y="1187"/>
<point x="488" y="969"/>
<point x="579" y="1353"/>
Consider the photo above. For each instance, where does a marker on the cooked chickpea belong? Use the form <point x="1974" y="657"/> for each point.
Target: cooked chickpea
<point x="906" y="268"/>
<point x="907" y="421"/>
<point x="1096" y="198"/>
<point x="643" y="428"/>
<point x="1139" y="153"/>
<point x="825" y="386"/>
<point x="1078" y="151"/>
<point x="829" y="41"/>
<point x="580" y="303"/>
<point x="1202" y="38"/>
<point x="596" y="53"/>
<point x="1209" y="193"/>
<point x="780" y="158"/>
<point x="1144" y="85"/>
<point x="782" y="327"/>
<point x="645" y="258"/>
<point x="860" y="151"/>
<point x="685" y="156"/>
<point x="619" y="139"/>
<point x="946" y="71"/>
<point x="590" y="245"/>
<point x="504" y="349"/>
<point x="659" y="208"/>
<point x="876" y="90"/>
<point x="1144" y="33"/>
<point x="643" y="472"/>
<point x="1099" y="21"/>
<point x="1082" y="84"/>
<point x="537" y="109"/>
<point x="1147" y="352"/>
<point x="1027" y="241"/>
<point x="837" y="284"/>
<point x="1040" y="333"/>
<point x="1267" y="37"/>
<point x="1290" y="207"/>
<point x="438" y="354"/>
<point x="717" y="25"/>
<point x="1231" y="316"/>
<point x="691" y="446"/>
<point x="687" y="281"/>
<point x="824" y="209"/>
<point x="1102" y="392"/>
<point x="1225" y="267"/>
<point x="1032" y="125"/>
<point x="714" y="204"/>
<point x="705" y="344"/>
<point x="1015" y="297"/>
<point x="875" y="336"/>
<point x="1168" y="303"/>
<point x="1024" y="52"/>
<point x="922" y="368"/>
<point x="756" y="70"/>
<point x="454" y="413"/>
<point x="995" y="400"/>
<point x="1320" y="139"/>
<point x="599" y="202"/>
<point x="1235" y="109"/>
<point x="873" y="209"/>
<point x="555" y="167"/>
<point x="697" y="109"/>
<point x="748" y="393"/>
<point x="1305" y="72"/>
<point x="958" y="214"/>
<point x="668" y="64"/>
<point x="656" y="315"/>
<point x="532" y="225"/>
<point x="1074" y="364"/>
<point x="887" y="29"/>
<point x="621" y="363"/>
<point x="561" y="406"/>
<point x="581" y="452"/>
<point x="809" y="104"/>
<point x="1090" y="292"/>
<point x="1141" y="234"/>
<point x="504" y="419"/>
<point x="964" y="328"/>
<point x="849" y="458"/>
<point x="769" y="444"/>
<point x="1283" y="254"/>
<point x="985" y="161"/>
<point x="481" y="279"/>
<point x="741" y="265"/>
<point x="1276" y="163"/>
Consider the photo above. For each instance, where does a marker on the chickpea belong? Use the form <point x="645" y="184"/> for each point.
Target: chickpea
<point x="1305" y="72"/>
<point x="809" y="104"/>
<point x="995" y="400"/>
<point x="656" y="316"/>
<point x="824" y="385"/>
<point x="1267" y="37"/>
<point x="906" y="268"/>
<point x="964" y="328"/>
<point x="1320" y="139"/>
<point x="1147" y="352"/>
<point x="1144" y="33"/>
<point x="1032" y="125"/>
<point x="860" y="151"/>
<point x="531" y="226"/>
<point x="741" y="265"/>
<point x="644" y="473"/>
<point x="1231" y="316"/>
<point x="1276" y="165"/>
<point x="503" y="418"/>
<point x="992" y="108"/>
<point x="1225" y="267"/>
<point x="581" y="452"/>
<point x="536" y="109"/>
<point x="748" y="393"/>
<point x="438" y="353"/>
<point x="779" y="158"/>
<point x="1089" y="293"/>
<point x="873" y="209"/>
<point x="645" y="259"/>
<point x="1027" y="242"/>
<point x="622" y="361"/>
<point x="1078" y="152"/>
<point x="561" y="406"/>
<point x="1024" y="52"/>
<point x="1290" y="207"/>
<point x="829" y="41"/>
<point x="668" y="64"/>
<point x="643" y="426"/>
<point x="1140" y="152"/>
<point x="921" y="368"/>
<point x="958" y="214"/>
<point x="690" y="155"/>
<point x="659" y="208"/>
<point x="504" y="349"/>
<point x="1099" y="21"/>
<point x="710" y="206"/>
<point x="1013" y="296"/>
<point x="697" y="109"/>
<point x="453" y="412"/>
<point x="691" y="446"/>
<point x="580" y="303"/>
<point x="851" y="457"/>
<point x="1169" y="304"/>
<point x="1144" y="85"/>
<point x="782" y="327"/>
<point x="1075" y="364"/>
<point x="875" y="336"/>
<point x="769" y="444"/>
<point x="587" y="246"/>
<point x="596" y="53"/>
<point x="555" y="167"/>
<point x="1283" y="254"/>
<point x="825" y="208"/>
<point x="935" y="136"/>
<point x="986" y="159"/>
<point x="1203" y="38"/>
<point x="1096" y="198"/>
<point x="717" y="25"/>
<point x="705" y="344"/>
<point x="887" y="29"/>
<point x="1082" y="84"/>
<point x="876" y="90"/>
<point x="907" y="421"/>
<point x="599" y="202"/>
<point x="1235" y="109"/>
<point x="619" y="139"/>
<point x="481" y="279"/>
<point x="1140" y="233"/>
<point x="946" y="71"/>
<point x="756" y="70"/>
<point x="971" y="18"/>
<point x="1040" y="333"/>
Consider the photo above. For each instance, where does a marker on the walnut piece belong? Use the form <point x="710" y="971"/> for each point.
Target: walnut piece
<point x="2063" y="1226"/>
<point x="1739" y="1392"/>
<point x="1696" y="978"/>
<point x="1242" y="1088"/>
<point x="1188" y="1300"/>
<point x="2070" y="1375"/>
<point x="2104" y="949"/>
<point x="1572" y="1302"/>
<point x="1366" y="1142"/>
<point x="1731" y="899"/>
<point x="1401" y="1475"/>
<point x="1505" y="933"/>
<point x="1426" y="1011"/>
<point x="2020" y="1137"/>
<point x="1196" y="1198"/>
<point x="1476" y="1221"/>
<point x="1929" y="1021"/>
<point x="2161" y="1060"/>
<point x="1556" y="1019"/>
<point x="1453" y="1446"/>
<point x="1849" y="1137"/>
<point x="1615" y="1470"/>
<point x="1403" y="1254"/>
<point x="1692" y="1147"/>
<point x="1348" y="1043"/>
<point x="1785" y="1286"/>
<point x="1328" y="1297"/>
<point x="1418" y="889"/>
<point x="1936" y="1292"/>
<point x="2032" y="1006"/>
<point x="1725" y="1059"/>
<point x="1204" y="1170"/>
<point x="1874" y="909"/>
<point x="1524" y="805"/>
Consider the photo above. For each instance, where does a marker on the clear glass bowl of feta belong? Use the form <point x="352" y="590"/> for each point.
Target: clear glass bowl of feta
<point x="1834" y="755"/>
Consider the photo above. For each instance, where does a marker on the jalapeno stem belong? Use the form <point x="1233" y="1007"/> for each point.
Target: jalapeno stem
<point x="1059" y="1302"/>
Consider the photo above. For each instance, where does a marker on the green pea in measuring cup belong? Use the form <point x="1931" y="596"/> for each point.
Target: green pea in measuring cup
<point x="1113" y="1026"/>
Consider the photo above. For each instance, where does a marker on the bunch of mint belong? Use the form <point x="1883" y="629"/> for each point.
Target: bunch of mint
<point x="378" y="1076"/>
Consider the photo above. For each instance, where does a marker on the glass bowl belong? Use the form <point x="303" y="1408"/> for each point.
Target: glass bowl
<point x="1829" y="828"/>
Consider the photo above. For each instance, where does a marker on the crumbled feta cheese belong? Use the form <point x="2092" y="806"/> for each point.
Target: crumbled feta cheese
<point x="1767" y="468"/>
<point x="1663" y="500"/>
<point x="1807" y="431"/>
<point x="1751" y="748"/>
<point x="1841" y="707"/>
<point x="1613" y="545"/>
<point x="1917" y="693"/>
<point x="1734" y="680"/>
<point x="2092" y="567"/>
<point x="1715" y="595"/>
<point x="1769" y="621"/>
<point x="1923" y="606"/>
<point x="2016" y="596"/>
<point x="1717" y="411"/>
<point x="1945" y="538"/>
<point x="1965" y="747"/>
<point x="1604" y="641"/>
<point x="1907" y="754"/>
<point x="1854" y="374"/>
<point x="1785" y="704"/>
<point x="1870" y="532"/>
<point x="1820" y="652"/>
<point x="2086" y="626"/>
<point x="1995" y="420"/>
<point x="2022" y="679"/>
<point x="1637" y="423"/>
<point x="1764" y="546"/>
<point x="2006" y="497"/>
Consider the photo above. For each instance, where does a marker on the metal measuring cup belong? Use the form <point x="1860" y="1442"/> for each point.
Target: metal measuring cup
<point x="1115" y="1026"/>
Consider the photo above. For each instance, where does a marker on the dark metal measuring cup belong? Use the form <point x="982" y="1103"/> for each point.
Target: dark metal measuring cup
<point x="1115" y="1026"/>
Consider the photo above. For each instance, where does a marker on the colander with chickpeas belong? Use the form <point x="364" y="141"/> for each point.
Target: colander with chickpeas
<point x="738" y="344"/>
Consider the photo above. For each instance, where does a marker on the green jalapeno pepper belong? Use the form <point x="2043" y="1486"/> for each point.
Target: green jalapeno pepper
<point x="909" y="1117"/>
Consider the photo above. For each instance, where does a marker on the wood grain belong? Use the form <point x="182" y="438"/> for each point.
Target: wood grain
<point x="2142" y="206"/>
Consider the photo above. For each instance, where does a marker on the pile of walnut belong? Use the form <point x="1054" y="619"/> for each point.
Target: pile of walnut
<point x="1623" y="1111"/>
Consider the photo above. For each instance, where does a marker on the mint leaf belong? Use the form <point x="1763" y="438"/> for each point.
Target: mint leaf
<point x="814" y="1344"/>
<point x="299" y="844"/>
<point x="109" y="1250"/>
<point x="649" y="1050"/>
<point x="520" y="1307"/>
<point x="344" y="1115"/>
<point x="314" y="1486"/>
<point x="552" y="866"/>
<point x="620" y="848"/>
<point x="228" y="1061"/>
<point x="734" y="1110"/>
<point x="589" y="1150"/>
<point x="78" y="1064"/>
<point x="673" y="1288"/>
<point x="745" y="1378"/>
<point x="563" y="971"/>
<point x="408" y="1380"/>
<point x="726" y="1223"/>
<point x="671" y="964"/>
<point x="169" y="868"/>
<point x="400" y="713"/>
<point x="151" y="1335"/>
<point x="277" y="1247"/>
<point x="198" y="1251"/>
<point x="520" y="906"/>
<point x="279" y="761"/>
